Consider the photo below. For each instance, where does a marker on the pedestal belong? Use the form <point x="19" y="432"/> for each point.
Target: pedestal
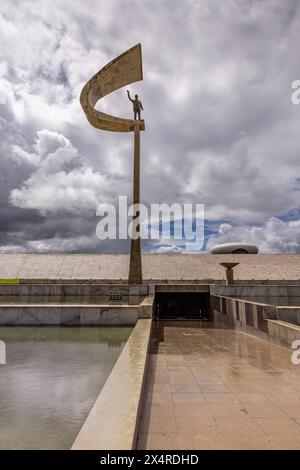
<point x="135" y="267"/>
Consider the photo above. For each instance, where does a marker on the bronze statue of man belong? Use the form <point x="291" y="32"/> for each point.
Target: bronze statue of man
<point x="137" y="106"/>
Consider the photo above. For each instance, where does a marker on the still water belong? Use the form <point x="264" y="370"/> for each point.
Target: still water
<point x="51" y="380"/>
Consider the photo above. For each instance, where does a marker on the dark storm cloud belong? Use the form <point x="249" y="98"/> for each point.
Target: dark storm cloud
<point x="220" y="126"/>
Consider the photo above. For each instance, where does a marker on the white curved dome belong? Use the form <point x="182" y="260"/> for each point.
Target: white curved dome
<point x="238" y="248"/>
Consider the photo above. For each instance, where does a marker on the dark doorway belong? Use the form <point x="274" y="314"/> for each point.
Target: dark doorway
<point x="182" y="305"/>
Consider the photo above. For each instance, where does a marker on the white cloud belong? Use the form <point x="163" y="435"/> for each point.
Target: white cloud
<point x="62" y="245"/>
<point x="61" y="183"/>
<point x="274" y="236"/>
<point x="168" y="249"/>
<point x="220" y="126"/>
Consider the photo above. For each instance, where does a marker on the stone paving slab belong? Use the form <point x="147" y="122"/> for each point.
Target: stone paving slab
<point x="214" y="388"/>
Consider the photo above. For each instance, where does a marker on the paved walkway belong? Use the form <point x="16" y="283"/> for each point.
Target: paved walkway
<point x="210" y="388"/>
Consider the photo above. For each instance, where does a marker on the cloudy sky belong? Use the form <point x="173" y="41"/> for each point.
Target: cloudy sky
<point x="221" y="129"/>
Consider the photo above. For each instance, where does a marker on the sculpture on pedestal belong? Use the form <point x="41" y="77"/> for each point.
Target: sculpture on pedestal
<point x="125" y="69"/>
<point x="137" y="106"/>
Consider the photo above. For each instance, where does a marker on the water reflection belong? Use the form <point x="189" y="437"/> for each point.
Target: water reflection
<point x="52" y="378"/>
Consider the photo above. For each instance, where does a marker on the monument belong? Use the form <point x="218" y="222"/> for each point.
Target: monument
<point x="229" y="271"/>
<point x="137" y="106"/>
<point x="123" y="70"/>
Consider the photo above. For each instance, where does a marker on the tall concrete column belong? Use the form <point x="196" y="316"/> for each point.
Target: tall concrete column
<point x="135" y="268"/>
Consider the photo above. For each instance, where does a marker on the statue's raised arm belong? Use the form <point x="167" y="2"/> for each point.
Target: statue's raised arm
<point x="128" y="94"/>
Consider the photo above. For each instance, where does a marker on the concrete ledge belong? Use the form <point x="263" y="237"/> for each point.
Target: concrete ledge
<point x="52" y="314"/>
<point x="256" y="319"/>
<point x="113" y="421"/>
<point x="147" y="307"/>
<point x="283" y="333"/>
<point x="290" y="314"/>
<point x="254" y="290"/>
<point x="65" y="289"/>
<point x="182" y="288"/>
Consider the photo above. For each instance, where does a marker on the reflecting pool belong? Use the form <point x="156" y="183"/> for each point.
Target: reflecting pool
<point x="51" y="380"/>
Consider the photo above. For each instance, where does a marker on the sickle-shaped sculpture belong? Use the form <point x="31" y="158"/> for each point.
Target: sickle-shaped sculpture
<point x="125" y="69"/>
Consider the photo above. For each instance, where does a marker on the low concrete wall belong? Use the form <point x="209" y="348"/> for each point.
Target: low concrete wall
<point x="71" y="304"/>
<point x="246" y="316"/>
<point x="252" y="290"/>
<point x="283" y="333"/>
<point x="147" y="307"/>
<point x="289" y="314"/>
<point x="113" y="421"/>
<point x="74" y="290"/>
<point x="69" y="315"/>
<point x="184" y="288"/>
<point x="256" y="319"/>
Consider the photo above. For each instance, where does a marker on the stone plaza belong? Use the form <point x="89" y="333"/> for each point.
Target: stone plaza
<point x="210" y="363"/>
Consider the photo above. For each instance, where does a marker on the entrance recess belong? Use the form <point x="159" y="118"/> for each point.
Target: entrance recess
<point x="182" y="306"/>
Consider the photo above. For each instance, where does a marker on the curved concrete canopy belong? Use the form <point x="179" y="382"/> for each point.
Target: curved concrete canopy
<point x="125" y="69"/>
<point x="227" y="248"/>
